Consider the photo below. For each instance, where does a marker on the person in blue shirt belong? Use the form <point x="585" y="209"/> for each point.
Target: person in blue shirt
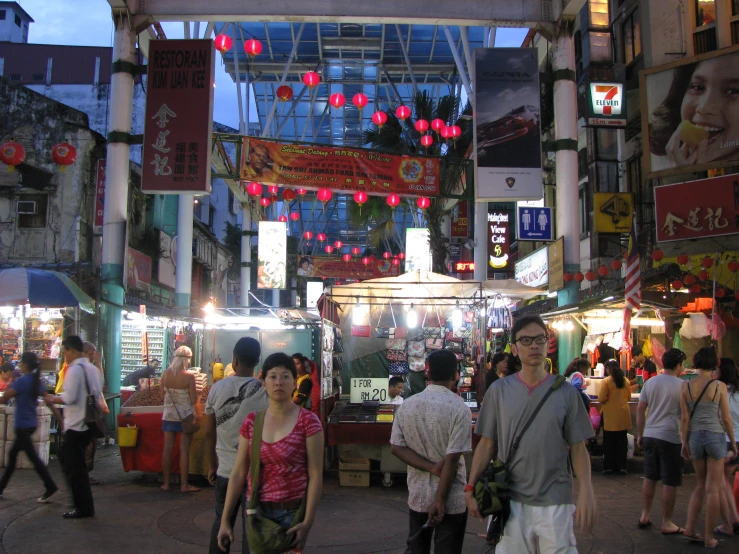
<point x="26" y="391"/>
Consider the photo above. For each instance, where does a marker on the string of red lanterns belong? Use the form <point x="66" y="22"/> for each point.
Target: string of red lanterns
<point x="311" y="79"/>
<point x="252" y="47"/>
<point x="337" y="100"/>
<point x="360" y="100"/>
<point x="379" y="118"/>
<point x="223" y="43"/>
<point x="402" y="112"/>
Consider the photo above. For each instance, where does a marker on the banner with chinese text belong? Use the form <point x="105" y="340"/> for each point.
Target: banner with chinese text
<point x="99" y="195"/>
<point x="697" y="209"/>
<point x="272" y="247"/>
<point x="344" y="169"/>
<point x="333" y="267"/>
<point x="179" y="117"/>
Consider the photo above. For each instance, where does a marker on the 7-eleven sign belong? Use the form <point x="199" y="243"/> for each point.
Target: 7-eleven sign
<point x="607" y="106"/>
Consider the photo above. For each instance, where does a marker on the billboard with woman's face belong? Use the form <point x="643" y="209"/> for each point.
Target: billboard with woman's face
<point x="691" y="111"/>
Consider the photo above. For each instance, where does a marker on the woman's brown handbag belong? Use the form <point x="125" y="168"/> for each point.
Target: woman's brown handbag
<point x="190" y="425"/>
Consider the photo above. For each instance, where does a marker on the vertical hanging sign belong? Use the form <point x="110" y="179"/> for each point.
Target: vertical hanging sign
<point x="99" y="195"/>
<point x="461" y="220"/>
<point x="178" y="125"/>
<point x="499" y="242"/>
<point x="272" y="269"/>
<point x="417" y="250"/>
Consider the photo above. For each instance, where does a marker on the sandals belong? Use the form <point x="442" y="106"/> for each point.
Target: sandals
<point x="678" y="531"/>
<point x="644" y="524"/>
<point x="718" y="531"/>
<point x="693" y="538"/>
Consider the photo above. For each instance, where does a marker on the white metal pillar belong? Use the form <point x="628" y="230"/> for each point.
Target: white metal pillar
<point x="245" y="254"/>
<point x="183" y="272"/>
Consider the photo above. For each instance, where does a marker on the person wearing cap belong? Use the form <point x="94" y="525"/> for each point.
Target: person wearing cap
<point x="658" y="433"/>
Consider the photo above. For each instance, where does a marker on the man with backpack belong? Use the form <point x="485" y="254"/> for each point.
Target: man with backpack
<point x="523" y="416"/>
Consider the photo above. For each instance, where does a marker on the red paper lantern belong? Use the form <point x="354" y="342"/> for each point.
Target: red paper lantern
<point x="579" y="277"/>
<point x="379" y="118"/>
<point x="707" y="262"/>
<point x="223" y="43"/>
<point x="455" y="131"/>
<point x="338" y="244"/>
<point x="360" y="197"/>
<point x="603" y="270"/>
<point x="677" y="284"/>
<point x="272" y="189"/>
<point x="254" y="189"/>
<point x="311" y="79"/>
<point x="683" y="259"/>
<point x="402" y="112"/>
<point x="703" y="275"/>
<point x="733" y="266"/>
<point x="356" y="250"/>
<point x="689" y="279"/>
<point x="284" y="93"/>
<point x="616" y="265"/>
<point x="337" y="100"/>
<point x="695" y="289"/>
<point x="446" y="132"/>
<point x="590" y="275"/>
<point x="64" y="154"/>
<point x="282" y="219"/>
<point x="657" y="255"/>
<point x="422" y="125"/>
<point x="302" y="192"/>
<point x="321" y="237"/>
<point x="427" y="140"/>
<point x="360" y="100"/>
<point x="401" y="255"/>
<point x="324" y="195"/>
<point x="347" y="257"/>
<point x="328" y="248"/>
<point x="387" y="255"/>
<point x="393" y="200"/>
<point x="12" y="154"/>
<point x="423" y="202"/>
<point x="567" y="277"/>
<point x="265" y="202"/>
<point x="253" y="47"/>
<point x="720" y="292"/>
<point x="437" y="125"/>
<point x="395" y="261"/>
<point x="294" y="216"/>
<point x="288" y="195"/>
<point x="308" y="235"/>
<point x="365" y="261"/>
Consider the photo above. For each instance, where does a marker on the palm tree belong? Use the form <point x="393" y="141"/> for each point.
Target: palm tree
<point x="397" y="137"/>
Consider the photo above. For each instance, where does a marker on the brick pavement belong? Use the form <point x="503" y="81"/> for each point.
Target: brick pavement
<point x="134" y="516"/>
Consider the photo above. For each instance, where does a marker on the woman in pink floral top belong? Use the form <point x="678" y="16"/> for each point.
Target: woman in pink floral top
<point x="291" y="457"/>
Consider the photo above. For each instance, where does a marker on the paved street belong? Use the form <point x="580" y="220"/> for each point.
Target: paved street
<point x="134" y="516"/>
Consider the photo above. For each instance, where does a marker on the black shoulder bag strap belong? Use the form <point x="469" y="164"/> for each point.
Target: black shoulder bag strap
<point x="699" y="397"/>
<point x="517" y="441"/>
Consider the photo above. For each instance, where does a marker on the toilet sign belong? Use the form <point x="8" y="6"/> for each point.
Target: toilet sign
<point x="535" y="223"/>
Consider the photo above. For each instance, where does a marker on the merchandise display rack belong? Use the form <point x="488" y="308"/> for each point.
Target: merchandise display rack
<point x="132" y="353"/>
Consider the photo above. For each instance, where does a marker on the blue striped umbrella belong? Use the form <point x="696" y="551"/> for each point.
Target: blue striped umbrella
<point x="41" y="289"/>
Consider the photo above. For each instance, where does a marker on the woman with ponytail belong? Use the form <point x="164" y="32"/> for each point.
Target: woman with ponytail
<point x="26" y="391"/>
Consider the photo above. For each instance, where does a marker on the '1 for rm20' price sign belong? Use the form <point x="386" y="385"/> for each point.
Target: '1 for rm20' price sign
<point x="368" y="389"/>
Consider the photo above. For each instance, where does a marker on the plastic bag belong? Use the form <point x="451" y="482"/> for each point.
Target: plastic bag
<point x="595" y="418"/>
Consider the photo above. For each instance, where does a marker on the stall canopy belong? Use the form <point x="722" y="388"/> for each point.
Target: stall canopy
<point x="41" y="288"/>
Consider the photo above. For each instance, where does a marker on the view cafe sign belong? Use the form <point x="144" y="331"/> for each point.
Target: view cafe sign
<point x="606" y="105"/>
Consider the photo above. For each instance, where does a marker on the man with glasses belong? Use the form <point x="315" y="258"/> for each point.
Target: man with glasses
<point x="659" y="434"/>
<point x="542" y="500"/>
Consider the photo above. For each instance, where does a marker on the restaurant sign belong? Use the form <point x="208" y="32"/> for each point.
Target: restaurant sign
<point x="499" y="239"/>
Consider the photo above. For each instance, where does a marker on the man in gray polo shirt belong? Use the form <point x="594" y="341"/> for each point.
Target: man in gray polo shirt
<point x="661" y="439"/>
<point x="542" y="501"/>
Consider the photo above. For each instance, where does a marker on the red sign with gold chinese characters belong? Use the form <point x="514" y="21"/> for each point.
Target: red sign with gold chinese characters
<point x="336" y="268"/>
<point x="344" y="169"/>
<point x="697" y="209"/>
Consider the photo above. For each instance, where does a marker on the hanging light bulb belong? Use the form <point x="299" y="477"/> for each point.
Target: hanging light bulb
<point x="357" y="313"/>
<point x="569" y="326"/>
<point x="457" y="317"/>
<point x="483" y="313"/>
<point x="15" y="323"/>
<point x="46" y="316"/>
<point x="411" y="318"/>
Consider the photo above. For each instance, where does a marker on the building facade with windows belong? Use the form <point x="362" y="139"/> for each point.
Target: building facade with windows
<point x="14" y="23"/>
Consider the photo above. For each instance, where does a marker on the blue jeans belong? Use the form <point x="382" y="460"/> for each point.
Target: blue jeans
<point x="283" y="517"/>
<point x="707" y="444"/>
<point x="221" y="487"/>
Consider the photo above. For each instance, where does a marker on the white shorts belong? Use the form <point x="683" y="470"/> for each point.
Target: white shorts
<point x="539" y="530"/>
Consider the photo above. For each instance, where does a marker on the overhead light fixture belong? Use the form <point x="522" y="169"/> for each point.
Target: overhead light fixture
<point x="457" y="317"/>
<point x="15" y="323"/>
<point x="411" y="318"/>
<point x="45" y="316"/>
<point x="569" y="326"/>
<point x="358" y="313"/>
<point x="483" y="313"/>
<point x="209" y="308"/>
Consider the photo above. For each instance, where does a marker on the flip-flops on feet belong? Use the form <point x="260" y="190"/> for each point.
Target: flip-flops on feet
<point x="678" y="531"/>
<point x="644" y="524"/>
<point x="693" y="538"/>
<point x="721" y="532"/>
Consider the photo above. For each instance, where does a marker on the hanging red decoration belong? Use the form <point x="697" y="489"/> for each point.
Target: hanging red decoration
<point x="272" y="189"/>
<point x="616" y="265"/>
<point x="402" y="112"/>
<point x="703" y="275"/>
<point x="401" y="255"/>
<point x="12" y="154"/>
<point x="387" y="255"/>
<point x="337" y="100"/>
<point x="311" y="79"/>
<point x="324" y="195"/>
<point x="437" y="125"/>
<point x="695" y="289"/>
<point x="307" y="235"/>
<point x="360" y="197"/>
<point x="294" y="216"/>
<point x="328" y="249"/>
<point x="338" y="244"/>
<point x="264" y="202"/>
<point x="253" y="47"/>
<point x="720" y="292"/>
<point x="284" y="93"/>
<point x="689" y="279"/>
<point x="395" y="261"/>
<point x="427" y="140"/>
<point x="347" y="257"/>
<point x="567" y="277"/>
<point x="733" y="266"/>
<point x="423" y="203"/>
<point x="707" y="262"/>
<point x="379" y="118"/>
<point x="455" y="131"/>
<point x="64" y="154"/>
<point x="603" y="270"/>
<point x="579" y="277"/>
<point x="393" y="200"/>
<point x="677" y="284"/>
<point x="657" y="255"/>
<point x="288" y="195"/>
<point x="360" y="100"/>
<point x="302" y="192"/>
<point x="422" y="125"/>
<point x="446" y="132"/>
<point x="282" y="219"/>
<point x="683" y="259"/>
<point x="365" y="261"/>
<point x="321" y="237"/>
<point x="223" y="43"/>
<point x="254" y="189"/>
<point x="590" y="275"/>
<point x="356" y="250"/>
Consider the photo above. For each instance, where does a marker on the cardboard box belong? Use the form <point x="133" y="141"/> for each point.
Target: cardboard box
<point x="354" y="478"/>
<point x="354" y="464"/>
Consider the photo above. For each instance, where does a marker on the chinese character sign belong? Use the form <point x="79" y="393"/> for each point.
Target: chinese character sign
<point x="697" y="209"/>
<point x="272" y="271"/>
<point x="179" y="117"/>
<point x="499" y="241"/>
<point x="461" y="220"/>
<point x="99" y="195"/>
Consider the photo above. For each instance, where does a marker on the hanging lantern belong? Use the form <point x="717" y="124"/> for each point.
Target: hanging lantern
<point x="284" y="93"/>
<point x="347" y="257"/>
<point x="64" y="154"/>
<point x="253" y="47"/>
<point x="288" y="195"/>
<point x="294" y="216"/>
<point x="402" y="112"/>
<point x="379" y="118"/>
<point x="703" y="275"/>
<point x="387" y="255"/>
<point x="423" y="203"/>
<point x="393" y="200"/>
<point x="282" y="219"/>
<point x="683" y="259"/>
<point x="590" y="275"/>
<point x="677" y="284"/>
<point x="338" y="245"/>
<point x="321" y="237"/>
<point x="720" y="292"/>
<point x="311" y="79"/>
<point x="695" y="289"/>
<point x="455" y="131"/>
<point x="579" y="277"/>
<point x="302" y="192"/>
<point x="356" y="250"/>
<point x="733" y="266"/>
<point x="395" y="261"/>
<point x="254" y="189"/>
<point x="616" y="265"/>
<point x="401" y="255"/>
<point x="365" y="260"/>
<point x="422" y="125"/>
<point x="337" y="100"/>
<point x="328" y="249"/>
<point x="12" y="154"/>
<point x="223" y="43"/>
<point x="360" y="198"/>
<point x="427" y="140"/>
<point x="307" y="235"/>
<point x="437" y="125"/>
<point x="689" y="279"/>
<point x="324" y="195"/>
<point x="360" y="100"/>
<point x="603" y="270"/>
<point x="657" y="255"/>
<point x="264" y="202"/>
<point x="272" y="189"/>
<point x="707" y="262"/>
<point x="567" y="277"/>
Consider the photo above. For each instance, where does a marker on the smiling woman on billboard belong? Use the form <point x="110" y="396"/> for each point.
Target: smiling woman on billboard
<point x="697" y="122"/>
